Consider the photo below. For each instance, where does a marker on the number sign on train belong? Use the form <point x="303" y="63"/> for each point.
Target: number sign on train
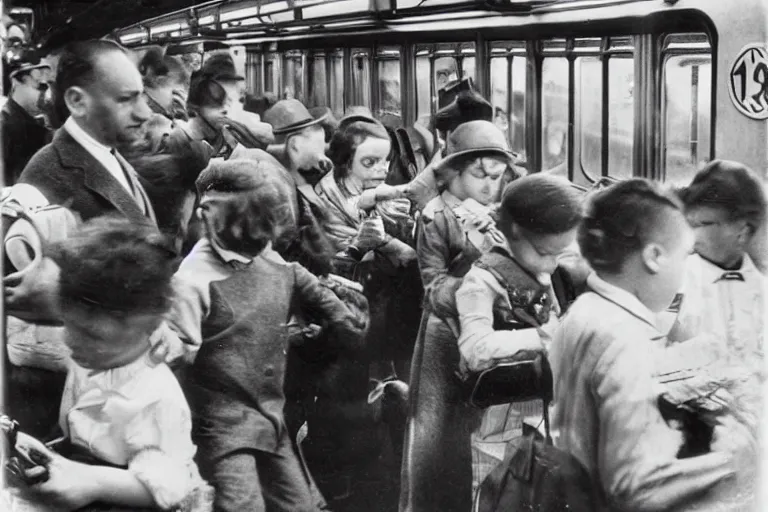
<point x="749" y="81"/>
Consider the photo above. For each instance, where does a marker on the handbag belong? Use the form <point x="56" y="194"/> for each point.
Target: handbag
<point x="520" y="378"/>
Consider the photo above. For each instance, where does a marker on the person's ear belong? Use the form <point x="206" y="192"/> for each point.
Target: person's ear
<point x="652" y="256"/>
<point x="77" y="101"/>
<point x="746" y="233"/>
<point x="514" y="232"/>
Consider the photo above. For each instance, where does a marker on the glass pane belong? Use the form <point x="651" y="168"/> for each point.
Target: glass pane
<point x="446" y="74"/>
<point x="318" y="86"/>
<point x="621" y="109"/>
<point x="272" y="73"/>
<point x="361" y="78"/>
<point x="422" y="89"/>
<point x="499" y="93"/>
<point x="554" y="110"/>
<point x="337" y="82"/>
<point x="688" y="102"/>
<point x="293" y="77"/>
<point x="589" y="114"/>
<point x="388" y="62"/>
<point x="253" y="72"/>
<point x="468" y="68"/>
<point x="511" y="123"/>
<point x="517" y="121"/>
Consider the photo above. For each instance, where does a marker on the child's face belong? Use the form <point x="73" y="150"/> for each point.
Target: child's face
<point x="480" y="180"/>
<point x="718" y="238"/>
<point x="102" y="342"/>
<point x="540" y="253"/>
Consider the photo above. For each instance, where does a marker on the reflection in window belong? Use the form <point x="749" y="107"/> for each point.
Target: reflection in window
<point x="554" y="111"/>
<point x="688" y="107"/>
<point x="336" y="85"/>
<point x="318" y="82"/>
<point x="621" y="128"/>
<point x="361" y="78"/>
<point x="388" y="62"/>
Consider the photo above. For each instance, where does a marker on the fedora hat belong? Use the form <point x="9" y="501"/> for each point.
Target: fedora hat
<point x="476" y="137"/>
<point x="288" y="116"/>
<point x="221" y="66"/>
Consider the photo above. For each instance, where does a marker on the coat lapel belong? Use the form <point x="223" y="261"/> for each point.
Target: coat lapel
<point x="95" y="177"/>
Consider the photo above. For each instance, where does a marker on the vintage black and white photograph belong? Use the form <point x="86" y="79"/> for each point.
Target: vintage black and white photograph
<point x="384" y="255"/>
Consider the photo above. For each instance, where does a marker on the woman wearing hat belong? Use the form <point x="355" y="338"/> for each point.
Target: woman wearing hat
<point x="454" y="230"/>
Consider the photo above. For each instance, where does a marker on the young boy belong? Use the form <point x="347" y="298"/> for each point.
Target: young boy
<point x="723" y="292"/>
<point x="242" y="294"/>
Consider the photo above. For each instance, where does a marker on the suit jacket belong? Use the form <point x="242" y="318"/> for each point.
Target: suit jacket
<point x="68" y="175"/>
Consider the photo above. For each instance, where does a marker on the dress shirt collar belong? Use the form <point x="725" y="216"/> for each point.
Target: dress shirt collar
<point x="711" y="273"/>
<point x="621" y="298"/>
<point x="82" y="137"/>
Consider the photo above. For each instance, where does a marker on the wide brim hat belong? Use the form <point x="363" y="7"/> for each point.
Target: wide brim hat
<point x="288" y="116"/>
<point x="476" y="137"/>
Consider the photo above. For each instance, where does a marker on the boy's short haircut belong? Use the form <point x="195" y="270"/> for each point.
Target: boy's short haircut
<point x="245" y="203"/>
<point x="621" y="219"/>
<point x="540" y="204"/>
<point x="111" y="265"/>
<point x="731" y="186"/>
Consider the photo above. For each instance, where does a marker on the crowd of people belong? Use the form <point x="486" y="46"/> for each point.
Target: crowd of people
<point x="220" y="302"/>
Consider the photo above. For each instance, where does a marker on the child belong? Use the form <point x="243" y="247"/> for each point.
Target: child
<point x="512" y="285"/>
<point x="636" y="239"/>
<point x="243" y="299"/>
<point x="453" y="231"/>
<point x="722" y="292"/>
<point x="127" y="423"/>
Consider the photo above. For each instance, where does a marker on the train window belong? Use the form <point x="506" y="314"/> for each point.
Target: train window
<point x="508" y="75"/>
<point x="687" y="105"/>
<point x="253" y="73"/>
<point x="336" y="81"/>
<point x="621" y="128"/>
<point x="554" y="111"/>
<point x="318" y="81"/>
<point x="423" y="103"/>
<point x="272" y="73"/>
<point x="361" y="77"/>
<point x="604" y="103"/>
<point x="293" y="75"/>
<point x="388" y="76"/>
<point x="589" y="110"/>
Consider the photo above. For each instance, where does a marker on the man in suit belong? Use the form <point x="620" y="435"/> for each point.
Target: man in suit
<point x="101" y="88"/>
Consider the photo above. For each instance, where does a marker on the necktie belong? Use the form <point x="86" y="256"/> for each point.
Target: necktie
<point x="137" y="191"/>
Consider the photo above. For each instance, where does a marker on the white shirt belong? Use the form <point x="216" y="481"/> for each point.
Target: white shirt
<point x="730" y="310"/>
<point x="103" y="154"/>
<point x="136" y="416"/>
<point x="603" y="358"/>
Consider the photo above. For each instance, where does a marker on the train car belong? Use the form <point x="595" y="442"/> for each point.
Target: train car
<point x="583" y="88"/>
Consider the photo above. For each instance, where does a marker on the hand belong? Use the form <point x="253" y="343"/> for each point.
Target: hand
<point x="70" y="486"/>
<point x="386" y="192"/>
<point x="371" y="234"/>
<point x="32" y="294"/>
<point x="479" y="221"/>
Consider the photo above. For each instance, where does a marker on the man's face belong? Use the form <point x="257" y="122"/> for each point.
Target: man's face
<point x="115" y="107"/>
<point x="719" y="238"/>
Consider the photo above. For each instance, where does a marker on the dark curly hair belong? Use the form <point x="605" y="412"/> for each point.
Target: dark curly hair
<point x="621" y="219"/>
<point x="110" y="265"/>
